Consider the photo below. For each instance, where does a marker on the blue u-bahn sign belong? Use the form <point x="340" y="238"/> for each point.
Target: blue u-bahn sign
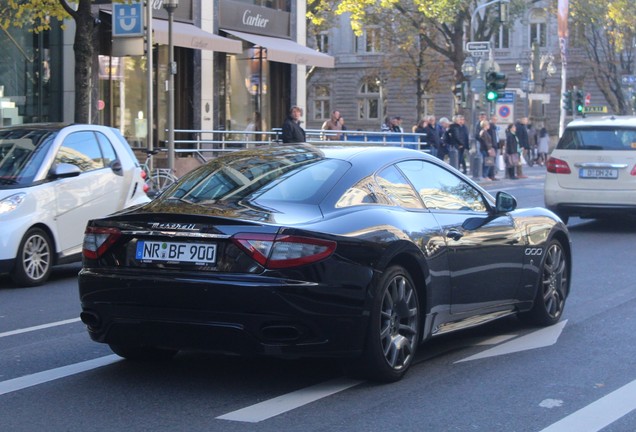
<point x="128" y="20"/>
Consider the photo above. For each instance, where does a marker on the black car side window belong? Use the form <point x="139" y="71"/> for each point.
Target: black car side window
<point x="398" y="188"/>
<point x="440" y="189"/>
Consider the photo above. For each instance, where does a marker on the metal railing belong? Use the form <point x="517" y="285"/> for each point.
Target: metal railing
<point x="207" y="144"/>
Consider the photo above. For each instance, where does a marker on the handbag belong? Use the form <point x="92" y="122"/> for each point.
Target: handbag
<point x="501" y="164"/>
<point x="489" y="161"/>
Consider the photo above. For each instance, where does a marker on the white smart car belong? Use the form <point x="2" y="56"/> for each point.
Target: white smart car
<point x="53" y="179"/>
<point x="592" y="171"/>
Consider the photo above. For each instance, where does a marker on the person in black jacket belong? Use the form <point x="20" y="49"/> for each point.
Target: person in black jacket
<point x="457" y="141"/>
<point x="292" y="132"/>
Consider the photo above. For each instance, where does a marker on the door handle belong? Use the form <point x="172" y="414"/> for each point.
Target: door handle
<point x="454" y="234"/>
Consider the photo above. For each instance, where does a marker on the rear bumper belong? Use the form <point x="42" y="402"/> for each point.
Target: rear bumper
<point x="593" y="210"/>
<point x="241" y="314"/>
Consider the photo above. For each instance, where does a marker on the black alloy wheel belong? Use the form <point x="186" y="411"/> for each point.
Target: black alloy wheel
<point x="554" y="285"/>
<point x="394" y="328"/>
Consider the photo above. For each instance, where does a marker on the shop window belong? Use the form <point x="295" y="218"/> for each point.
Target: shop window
<point x="322" y="102"/>
<point x="538" y="31"/>
<point x="369" y="41"/>
<point x="369" y="99"/>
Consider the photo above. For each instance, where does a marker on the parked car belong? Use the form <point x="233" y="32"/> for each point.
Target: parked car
<point x="53" y="179"/>
<point x="319" y="251"/>
<point x="592" y="171"/>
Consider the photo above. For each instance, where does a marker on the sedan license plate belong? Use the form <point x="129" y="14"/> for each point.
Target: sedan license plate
<point x="598" y="173"/>
<point x="195" y="253"/>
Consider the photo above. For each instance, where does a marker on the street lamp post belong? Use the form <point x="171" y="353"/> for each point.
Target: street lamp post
<point x="170" y="6"/>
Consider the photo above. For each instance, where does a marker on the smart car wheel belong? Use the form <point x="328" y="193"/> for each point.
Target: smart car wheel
<point x="34" y="259"/>
<point x="141" y="353"/>
<point x="553" y="287"/>
<point x="394" y="327"/>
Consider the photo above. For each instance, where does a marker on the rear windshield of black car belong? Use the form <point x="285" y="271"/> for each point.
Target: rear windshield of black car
<point x="273" y="179"/>
<point x="598" y="138"/>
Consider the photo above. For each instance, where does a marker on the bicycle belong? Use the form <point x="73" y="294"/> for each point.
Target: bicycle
<point x="159" y="179"/>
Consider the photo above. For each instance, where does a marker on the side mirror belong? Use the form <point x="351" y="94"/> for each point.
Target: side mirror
<point x="65" y="170"/>
<point x="505" y="203"/>
<point x="116" y="167"/>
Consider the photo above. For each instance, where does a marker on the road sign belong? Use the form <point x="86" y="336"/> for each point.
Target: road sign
<point x="595" y="109"/>
<point x="128" y="20"/>
<point x="478" y="46"/>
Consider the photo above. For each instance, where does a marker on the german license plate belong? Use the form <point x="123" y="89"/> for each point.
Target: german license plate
<point x="598" y="173"/>
<point x="176" y="252"/>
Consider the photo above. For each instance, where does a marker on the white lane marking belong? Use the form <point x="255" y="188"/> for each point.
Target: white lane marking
<point x="281" y="404"/>
<point x="26" y="381"/>
<point x="39" y="327"/>
<point x="599" y="414"/>
<point x="538" y="339"/>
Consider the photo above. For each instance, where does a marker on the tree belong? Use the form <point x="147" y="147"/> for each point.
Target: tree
<point x="608" y="32"/>
<point x="38" y="15"/>
<point x="439" y="26"/>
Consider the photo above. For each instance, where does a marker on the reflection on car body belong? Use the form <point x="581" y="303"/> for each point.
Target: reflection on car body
<point x="353" y="252"/>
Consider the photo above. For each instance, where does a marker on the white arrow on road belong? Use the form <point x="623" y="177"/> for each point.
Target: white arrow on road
<point x="538" y="339"/>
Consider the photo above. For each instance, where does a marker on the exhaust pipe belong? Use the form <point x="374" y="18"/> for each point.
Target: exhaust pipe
<point x="91" y="319"/>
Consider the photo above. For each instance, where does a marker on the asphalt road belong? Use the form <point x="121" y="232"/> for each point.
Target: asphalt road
<point x="579" y="375"/>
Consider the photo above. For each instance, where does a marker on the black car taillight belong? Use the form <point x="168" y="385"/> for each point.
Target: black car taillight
<point x="283" y="251"/>
<point x="557" y="166"/>
<point x="97" y="240"/>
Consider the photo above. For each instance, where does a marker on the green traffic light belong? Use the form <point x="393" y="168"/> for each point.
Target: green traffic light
<point x="492" y="96"/>
<point x="579" y="108"/>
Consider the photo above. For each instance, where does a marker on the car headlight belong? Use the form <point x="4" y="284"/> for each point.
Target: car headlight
<point x="11" y="203"/>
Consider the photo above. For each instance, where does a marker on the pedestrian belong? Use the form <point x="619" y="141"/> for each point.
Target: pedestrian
<point x="292" y="132"/>
<point x="521" y="127"/>
<point x="457" y="142"/>
<point x="487" y="150"/>
<point x="433" y="136"/>
<point x="396" y="125"/>
<point x="512" y="151"/>
<point x="420" y="128"/>
<point x="334" y="126"/>
<point x="543" y="145"/>
<point x="386" y="125"/>
<point x="442" y="130"/>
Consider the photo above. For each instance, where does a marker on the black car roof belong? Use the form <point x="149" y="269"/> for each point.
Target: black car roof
<point x="38" y="126"/>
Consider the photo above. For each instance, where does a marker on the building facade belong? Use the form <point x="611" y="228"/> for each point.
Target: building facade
<point x="239" y="63"/>
<point x="365" y="90"/>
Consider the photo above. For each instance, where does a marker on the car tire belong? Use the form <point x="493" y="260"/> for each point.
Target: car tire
<point x="34" y="260"/>
<point x="142" y="353"/>
<point x="394" y="327"/>
<point x="552" y="288"/>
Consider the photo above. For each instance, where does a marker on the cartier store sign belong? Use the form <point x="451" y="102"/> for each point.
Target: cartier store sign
<point x="250" y="18"/>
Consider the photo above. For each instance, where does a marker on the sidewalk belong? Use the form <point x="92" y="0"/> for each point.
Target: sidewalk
<point x="536" y="172"/>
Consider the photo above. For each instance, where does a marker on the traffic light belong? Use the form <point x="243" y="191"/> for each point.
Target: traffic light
<point x="579" y="101"/>
<point x="567" y="102"/>
<point x="460" y="93"/>
<point x="495" y="85"/>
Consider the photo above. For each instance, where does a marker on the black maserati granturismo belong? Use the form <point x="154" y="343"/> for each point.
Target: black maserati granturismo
<point x="306" y="251"/>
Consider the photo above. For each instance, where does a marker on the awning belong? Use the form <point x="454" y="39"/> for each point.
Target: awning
<point x="191" y="36"/>
<point x="286" y="51"/>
